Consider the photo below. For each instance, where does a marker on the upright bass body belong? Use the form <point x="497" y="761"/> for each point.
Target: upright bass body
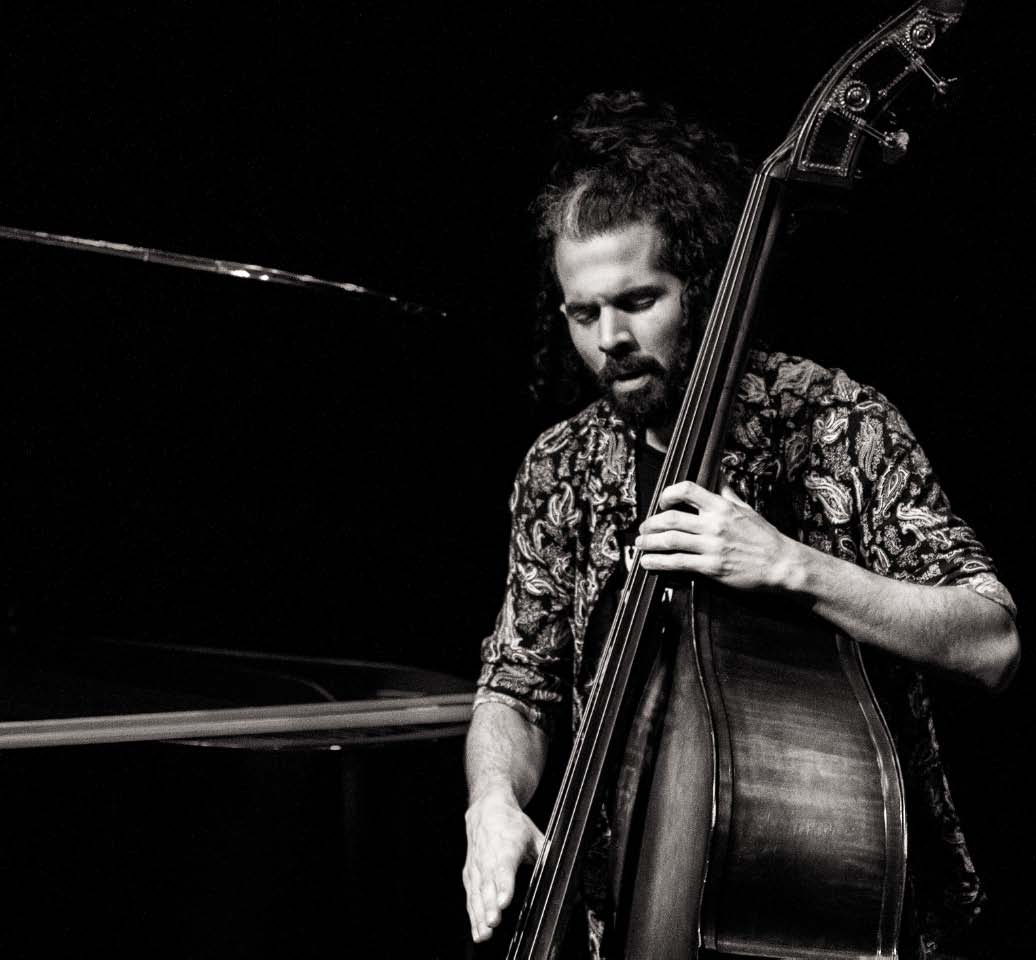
<point x="808" y="843"/>
<point x="774" y="820"/>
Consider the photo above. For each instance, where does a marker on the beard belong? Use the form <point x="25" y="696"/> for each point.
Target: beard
<point x="656" y="402"/>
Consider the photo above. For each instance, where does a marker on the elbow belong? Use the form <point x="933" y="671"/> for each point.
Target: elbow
<point x="1004" y="651"/>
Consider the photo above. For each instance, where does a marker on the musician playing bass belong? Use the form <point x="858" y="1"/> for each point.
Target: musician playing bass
<point x="826" y="497"/>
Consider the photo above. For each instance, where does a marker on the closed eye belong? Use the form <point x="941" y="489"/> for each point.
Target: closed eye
<point x="636" y="304"/>
<point x="639" y="299"/>
<point x="582" y="314"/>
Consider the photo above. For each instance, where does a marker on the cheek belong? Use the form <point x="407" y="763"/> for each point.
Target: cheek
<point x="665" y="336"/>
<point x="585" y="343"/>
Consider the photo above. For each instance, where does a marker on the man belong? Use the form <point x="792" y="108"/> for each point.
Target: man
<point x="827" y="498"/>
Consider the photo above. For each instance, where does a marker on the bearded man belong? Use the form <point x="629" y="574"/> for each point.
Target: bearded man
<point x="821" y="477"/>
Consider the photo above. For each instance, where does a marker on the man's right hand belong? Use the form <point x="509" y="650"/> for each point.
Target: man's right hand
<point x="500" y="837"/>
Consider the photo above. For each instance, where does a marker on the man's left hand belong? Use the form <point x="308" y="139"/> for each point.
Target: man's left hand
<point x="725" y="540"/>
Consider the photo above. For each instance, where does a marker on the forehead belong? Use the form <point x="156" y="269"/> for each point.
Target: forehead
<point x="608" y="262"/>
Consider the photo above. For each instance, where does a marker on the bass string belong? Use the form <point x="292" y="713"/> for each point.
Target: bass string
<point x="703" y="378"/>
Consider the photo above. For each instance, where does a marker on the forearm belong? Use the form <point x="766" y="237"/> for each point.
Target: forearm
<point x="504" y="752"/>
<point x="504" y="758"/>
<point x="954" y="629"/>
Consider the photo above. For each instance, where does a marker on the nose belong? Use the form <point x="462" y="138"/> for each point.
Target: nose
<point x="613" y="331"/>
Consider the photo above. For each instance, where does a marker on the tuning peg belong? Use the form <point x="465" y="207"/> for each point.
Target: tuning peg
<point x="894" y="146"/>
<point x="894" y="143"/>
<point x="941" y="85"/>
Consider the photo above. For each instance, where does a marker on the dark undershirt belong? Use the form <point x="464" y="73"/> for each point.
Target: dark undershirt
<point x="649" y="466"/>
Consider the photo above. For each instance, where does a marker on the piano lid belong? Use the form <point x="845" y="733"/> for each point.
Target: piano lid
<point x="235" y="466"/>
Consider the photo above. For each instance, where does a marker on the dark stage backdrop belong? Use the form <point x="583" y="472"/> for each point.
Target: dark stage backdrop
<point x="201" y="460"/>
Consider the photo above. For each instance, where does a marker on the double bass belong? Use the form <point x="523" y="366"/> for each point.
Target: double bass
<point x="775" y="825"/>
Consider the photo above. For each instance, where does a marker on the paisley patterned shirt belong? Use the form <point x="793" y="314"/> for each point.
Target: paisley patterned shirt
<point x="828" y="461"/>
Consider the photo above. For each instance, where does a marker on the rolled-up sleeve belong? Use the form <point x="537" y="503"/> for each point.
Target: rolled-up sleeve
<point x="907" y="528"/>
<point x="526" y="659"/>
<point x="916" y="535"/>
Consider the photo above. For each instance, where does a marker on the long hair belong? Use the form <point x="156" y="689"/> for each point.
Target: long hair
<point x="622" y="160"/>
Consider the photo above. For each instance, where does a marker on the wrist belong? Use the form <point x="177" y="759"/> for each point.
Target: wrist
<point x="793" y="570"/>
<point x="494" y="791"/>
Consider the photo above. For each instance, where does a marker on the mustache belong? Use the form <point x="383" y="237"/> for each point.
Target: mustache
<point x="631" y="366"/>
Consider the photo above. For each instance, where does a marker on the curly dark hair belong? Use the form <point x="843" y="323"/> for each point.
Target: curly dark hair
<point x="622" y="159"/>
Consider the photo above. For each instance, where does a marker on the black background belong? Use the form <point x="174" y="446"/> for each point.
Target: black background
<point x="203" y="460"/>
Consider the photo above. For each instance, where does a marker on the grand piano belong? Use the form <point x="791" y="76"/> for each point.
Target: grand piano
<point x="244" y="598"/>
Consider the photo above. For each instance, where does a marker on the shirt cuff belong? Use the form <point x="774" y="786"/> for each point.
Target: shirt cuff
<point x="537" y="716"/>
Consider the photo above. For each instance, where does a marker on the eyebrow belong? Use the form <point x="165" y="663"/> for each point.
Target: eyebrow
<point x="644" y="289"/>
